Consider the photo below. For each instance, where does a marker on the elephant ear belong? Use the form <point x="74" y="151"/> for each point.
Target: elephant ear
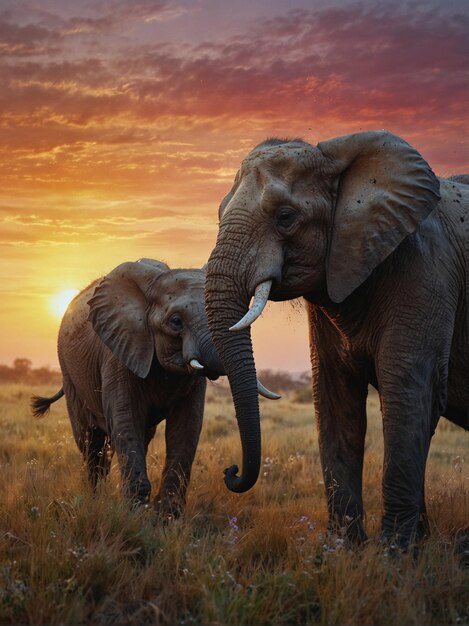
<point x="385" y="190"/>
<point x="224" y="203"/>
<point x="159" y="266"/>
<point x="117" y="313"/>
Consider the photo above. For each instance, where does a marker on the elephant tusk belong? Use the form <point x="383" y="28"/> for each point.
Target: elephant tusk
<point x="263" y="391"/>
<point x="196" y="365"/>
<point x="261" y="295"/>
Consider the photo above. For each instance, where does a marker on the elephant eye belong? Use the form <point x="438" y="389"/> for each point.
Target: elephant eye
<point x="176" y="323"/>
<point x="285" y="217"/>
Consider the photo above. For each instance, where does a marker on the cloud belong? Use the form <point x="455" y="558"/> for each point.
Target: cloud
<point x="17" y="40"/>
<point x="89" y="224"/>
<point x="117" y="120"/>
<point x="32" y="31"/>
<point x="117" y="14"/>
<point x="387" y="58"/>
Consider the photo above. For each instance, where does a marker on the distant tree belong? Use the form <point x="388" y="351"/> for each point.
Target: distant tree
<point x="44" y="375"/>
<point x="22" y="367"/>
<point x="283" y="381"/>
<point x="7" y="374"/>
<point x="23" y="372"/>
<point x="305" y="378"/>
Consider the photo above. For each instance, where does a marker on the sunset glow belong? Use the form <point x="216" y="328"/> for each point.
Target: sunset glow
<point x="60" y="301"/>
<point x="123" y="124"/>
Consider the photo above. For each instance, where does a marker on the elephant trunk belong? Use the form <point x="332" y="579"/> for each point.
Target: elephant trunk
<point x="224" y="308"/>
<point x="212" y="365"/>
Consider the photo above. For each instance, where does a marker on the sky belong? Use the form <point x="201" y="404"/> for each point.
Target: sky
<point x="123" y="123"/>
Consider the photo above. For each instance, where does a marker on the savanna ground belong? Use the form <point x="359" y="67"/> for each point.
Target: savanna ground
<point x="262" y="557"/>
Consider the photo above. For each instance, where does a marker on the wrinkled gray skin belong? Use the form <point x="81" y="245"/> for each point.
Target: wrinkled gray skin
<point x="125" y="344"/>
<point x="459" y="178"/>
<point x="379" y="248"/>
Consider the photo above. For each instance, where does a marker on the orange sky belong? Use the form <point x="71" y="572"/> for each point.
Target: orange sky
<point x="123" y="123"/>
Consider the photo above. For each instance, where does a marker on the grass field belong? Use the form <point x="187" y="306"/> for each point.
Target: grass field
<point x="262" y="557"/>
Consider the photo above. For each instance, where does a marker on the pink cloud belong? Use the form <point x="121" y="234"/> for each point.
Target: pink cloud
<point x="17" y="40"/>
<point x="313" y="72"/>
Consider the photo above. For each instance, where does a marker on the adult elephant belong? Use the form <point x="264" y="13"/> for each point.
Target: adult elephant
<point x="378" y="246"/>
<point x="134" y="350"/>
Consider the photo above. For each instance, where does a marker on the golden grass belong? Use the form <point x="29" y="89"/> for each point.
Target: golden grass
<point x="262" y="557"/>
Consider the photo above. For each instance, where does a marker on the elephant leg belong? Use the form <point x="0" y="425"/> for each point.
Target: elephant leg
<point x="340" y="409"/>
<point x="128" y="434"/>
<point x="90" y="439"/>
<point x="410" y="405"/>
<point x="183" y="426"/>
<point x="423" y="526"/>
<point x="97" y="455"/>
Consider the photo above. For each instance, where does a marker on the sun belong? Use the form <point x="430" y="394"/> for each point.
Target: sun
<point x="59" y="302"/>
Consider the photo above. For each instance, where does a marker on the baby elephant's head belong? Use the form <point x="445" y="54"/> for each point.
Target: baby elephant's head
<point x="145" y="309"/>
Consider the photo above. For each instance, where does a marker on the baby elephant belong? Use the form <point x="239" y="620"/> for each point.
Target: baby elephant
<point x="134" y="349"/>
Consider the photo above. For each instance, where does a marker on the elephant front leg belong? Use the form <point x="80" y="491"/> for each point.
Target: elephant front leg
<point x="341" y="423"/>
<point x="340" y="408"/>
<point x="129" y="441"/>
<point x="410" y="413"/>
<point x="183" y="426"/>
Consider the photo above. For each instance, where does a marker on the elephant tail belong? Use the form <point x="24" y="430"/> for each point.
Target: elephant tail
<point x="40" y="406"/>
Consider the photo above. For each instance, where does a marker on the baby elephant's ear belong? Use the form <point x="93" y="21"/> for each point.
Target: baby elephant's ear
<point x="117" y="313"/>
<point x="157" y="265"/>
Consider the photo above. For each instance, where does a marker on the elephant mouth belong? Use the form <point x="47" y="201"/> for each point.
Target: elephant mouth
<point x="281" y="293"/>
<point x="195" y="367"/>
<point x="277" y="292"/>
<point x="289" y="286"/>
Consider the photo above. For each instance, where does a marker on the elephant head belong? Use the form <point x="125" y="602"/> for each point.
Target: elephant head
<point x="143" y="309"/>
<point x="304" y="220"/>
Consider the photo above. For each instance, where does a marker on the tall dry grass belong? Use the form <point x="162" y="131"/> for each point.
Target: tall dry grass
<point x="263" y="557"/>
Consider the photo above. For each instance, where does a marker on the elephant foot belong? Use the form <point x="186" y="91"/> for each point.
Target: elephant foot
<point x="349" y="528"/>
<point x="138" y="492"/>
<point x="396" y="547"/>
<point x="423" y="527"/>
<point x="406" y="536"/>
<point x="461" y="548"/>
<point x="168" y="507"/>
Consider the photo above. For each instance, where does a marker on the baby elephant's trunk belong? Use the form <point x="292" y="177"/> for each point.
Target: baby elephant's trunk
<point x="40" y="406"/>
